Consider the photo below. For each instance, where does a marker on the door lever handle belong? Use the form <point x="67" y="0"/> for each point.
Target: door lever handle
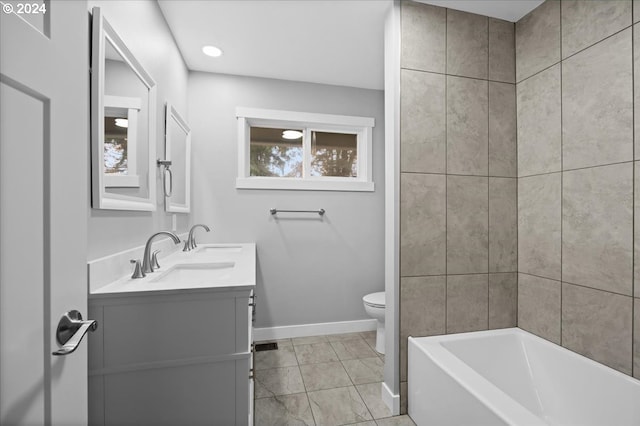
<point x="71" y="330"/>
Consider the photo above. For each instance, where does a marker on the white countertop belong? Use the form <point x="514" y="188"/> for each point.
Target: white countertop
<point x="208" y="267"/>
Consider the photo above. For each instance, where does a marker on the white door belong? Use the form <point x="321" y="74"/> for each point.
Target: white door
<point x="44" y="142"/>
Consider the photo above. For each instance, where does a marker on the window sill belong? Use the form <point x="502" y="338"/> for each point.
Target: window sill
<point x="303" y="185"/>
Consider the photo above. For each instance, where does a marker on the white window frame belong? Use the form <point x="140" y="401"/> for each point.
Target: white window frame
<point x="360" y="126"/>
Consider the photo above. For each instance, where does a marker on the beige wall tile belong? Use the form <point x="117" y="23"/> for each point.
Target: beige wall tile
<point x="467" y="224"/>
<point x="597" y="227"/>
<point x="423" y="37"/>
<point x="422" y="224"/>
<point x="587" y="22"/>
<point x="467" y="303"/>
<point x="636" y="84"/>
<point x="503" y="300"/>
<point x="422" y="304"/>
<point x="636" y="339"/>
<point x="422" y="122"/>
<point x="539" y="306"/>
<point x="636" y="230"/>
<point x="597" y="104"/>
<point x="636" y="11"/>
<point x="538" y="39"/>
<point x="467" y="126"/>
<point x="503" y="225"/>
<point x="422" y="311"/>
<point x="467" y="44"/>
<point x="403" y="397"/>
<point x="502" y="51"/>
<point x="539" y="224"/>
<point x="502" y="130"/>
<point x="598" y="324"/>
<point x="540" y="123"/>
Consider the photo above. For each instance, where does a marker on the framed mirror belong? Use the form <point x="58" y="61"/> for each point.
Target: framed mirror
<point x="177" y="149"/>
<point x="123" y="124"/>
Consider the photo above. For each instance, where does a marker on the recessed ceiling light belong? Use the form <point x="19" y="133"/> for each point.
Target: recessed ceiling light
<point x="122" y="122"/>
<point x="211" y="51"/>
<point x="291" y="134"/>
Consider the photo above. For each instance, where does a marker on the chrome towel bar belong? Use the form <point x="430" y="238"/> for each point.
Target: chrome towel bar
<point x="319" y="211"/>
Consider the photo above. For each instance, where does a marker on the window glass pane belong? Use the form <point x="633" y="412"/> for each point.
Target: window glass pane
<point x="334" y="154"/>
<point x="115" y="146"/>
<point x="273" y="152"/>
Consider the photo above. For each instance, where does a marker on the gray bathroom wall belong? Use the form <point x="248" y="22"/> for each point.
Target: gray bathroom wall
<point x="458" y="201"/>
<point x="310" y="270"/>
<point x="577" y="177"/>
<point x="144" y="30"/>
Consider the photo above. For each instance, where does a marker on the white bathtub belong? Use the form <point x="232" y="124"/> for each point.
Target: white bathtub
<point x="511" y="377"/>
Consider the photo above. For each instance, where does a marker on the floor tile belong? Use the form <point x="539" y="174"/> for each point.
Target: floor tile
<point x="308" y="340"/>
<point x="284" y="410"/>
<point x="278" y="381"/>
<point x="324" y="376"/>
<point x="370" y="338"/>
<point x="343" y="336"/>
<point x="315" y="353"/>
<point x="353" y="349"/>
<point x="338" y="406"/>
<point x="371" y="394"/>
<point x="365" y="370"/>
<point x="282" y="357"/>
<point x="396" y="421"/>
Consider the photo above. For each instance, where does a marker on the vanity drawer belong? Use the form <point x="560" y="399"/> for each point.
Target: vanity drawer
<point x="156" y="330"/>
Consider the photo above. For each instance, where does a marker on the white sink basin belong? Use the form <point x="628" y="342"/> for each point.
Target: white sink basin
<point x="219" y="249"/>
<point x="196" y="273"/>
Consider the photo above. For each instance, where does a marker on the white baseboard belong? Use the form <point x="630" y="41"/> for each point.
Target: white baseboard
<point x="304" y="330"/>
<point x="391" y="400"/>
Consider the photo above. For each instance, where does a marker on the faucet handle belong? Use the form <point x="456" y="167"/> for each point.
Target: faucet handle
<point x="154" y="260"/>
<point x="137" y="270"/>
<point x="187" y="246"/>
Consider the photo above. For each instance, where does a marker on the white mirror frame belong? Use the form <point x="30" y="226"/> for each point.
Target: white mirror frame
<point x="172" y="115"/>
<point x="101" y="199"/>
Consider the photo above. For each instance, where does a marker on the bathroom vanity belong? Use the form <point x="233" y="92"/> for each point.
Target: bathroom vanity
<point x="175" y="347"/>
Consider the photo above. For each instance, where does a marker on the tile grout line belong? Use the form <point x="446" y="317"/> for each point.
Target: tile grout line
<point x="488" y="172"/>
<point x="561" y="179"/>
<point x="306" y="393"/>
<point x="633" y="193"/>
<point x="457" y="75"/>
<point x="515" y="94"/>
<point x="617" y="163"/>
<point x="446" y="177"/>
<point x="577" y="285"/>
<point x="576" y="53"/>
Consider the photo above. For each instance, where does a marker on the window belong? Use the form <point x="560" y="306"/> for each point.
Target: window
<point x="295" y="150"/>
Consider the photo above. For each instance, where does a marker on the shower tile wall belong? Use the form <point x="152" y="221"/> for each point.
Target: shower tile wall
<point x="575" y="107"/>
<point x="458" y="196"/>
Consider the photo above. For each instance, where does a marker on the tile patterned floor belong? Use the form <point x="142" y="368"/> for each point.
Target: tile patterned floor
<point x="322" y="380"/>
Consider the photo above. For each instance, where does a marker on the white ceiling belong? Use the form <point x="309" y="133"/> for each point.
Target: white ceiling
<point x="320" y="41"/>
<point x="337" y="42"/>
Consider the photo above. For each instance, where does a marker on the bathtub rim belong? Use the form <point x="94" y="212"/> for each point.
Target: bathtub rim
<point x="493" y="398"/>
<point x="431" y="346"/>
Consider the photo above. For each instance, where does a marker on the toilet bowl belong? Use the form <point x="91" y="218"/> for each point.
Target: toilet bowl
<point x="374" y="304"/>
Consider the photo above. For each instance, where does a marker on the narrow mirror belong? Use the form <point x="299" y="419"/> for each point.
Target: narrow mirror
<point x="177" y="185"/>
<point x="123" y="124"/>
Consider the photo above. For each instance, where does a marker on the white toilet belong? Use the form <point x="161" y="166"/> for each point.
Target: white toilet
<point x="374" y="304"/>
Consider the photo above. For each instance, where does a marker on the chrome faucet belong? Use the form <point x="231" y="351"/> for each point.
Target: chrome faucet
<point x="190" y="244"/>
<point x="147" y="264"/>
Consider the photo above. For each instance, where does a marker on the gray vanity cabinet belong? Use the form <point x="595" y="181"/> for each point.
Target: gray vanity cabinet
<point x="171" y="359"/>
